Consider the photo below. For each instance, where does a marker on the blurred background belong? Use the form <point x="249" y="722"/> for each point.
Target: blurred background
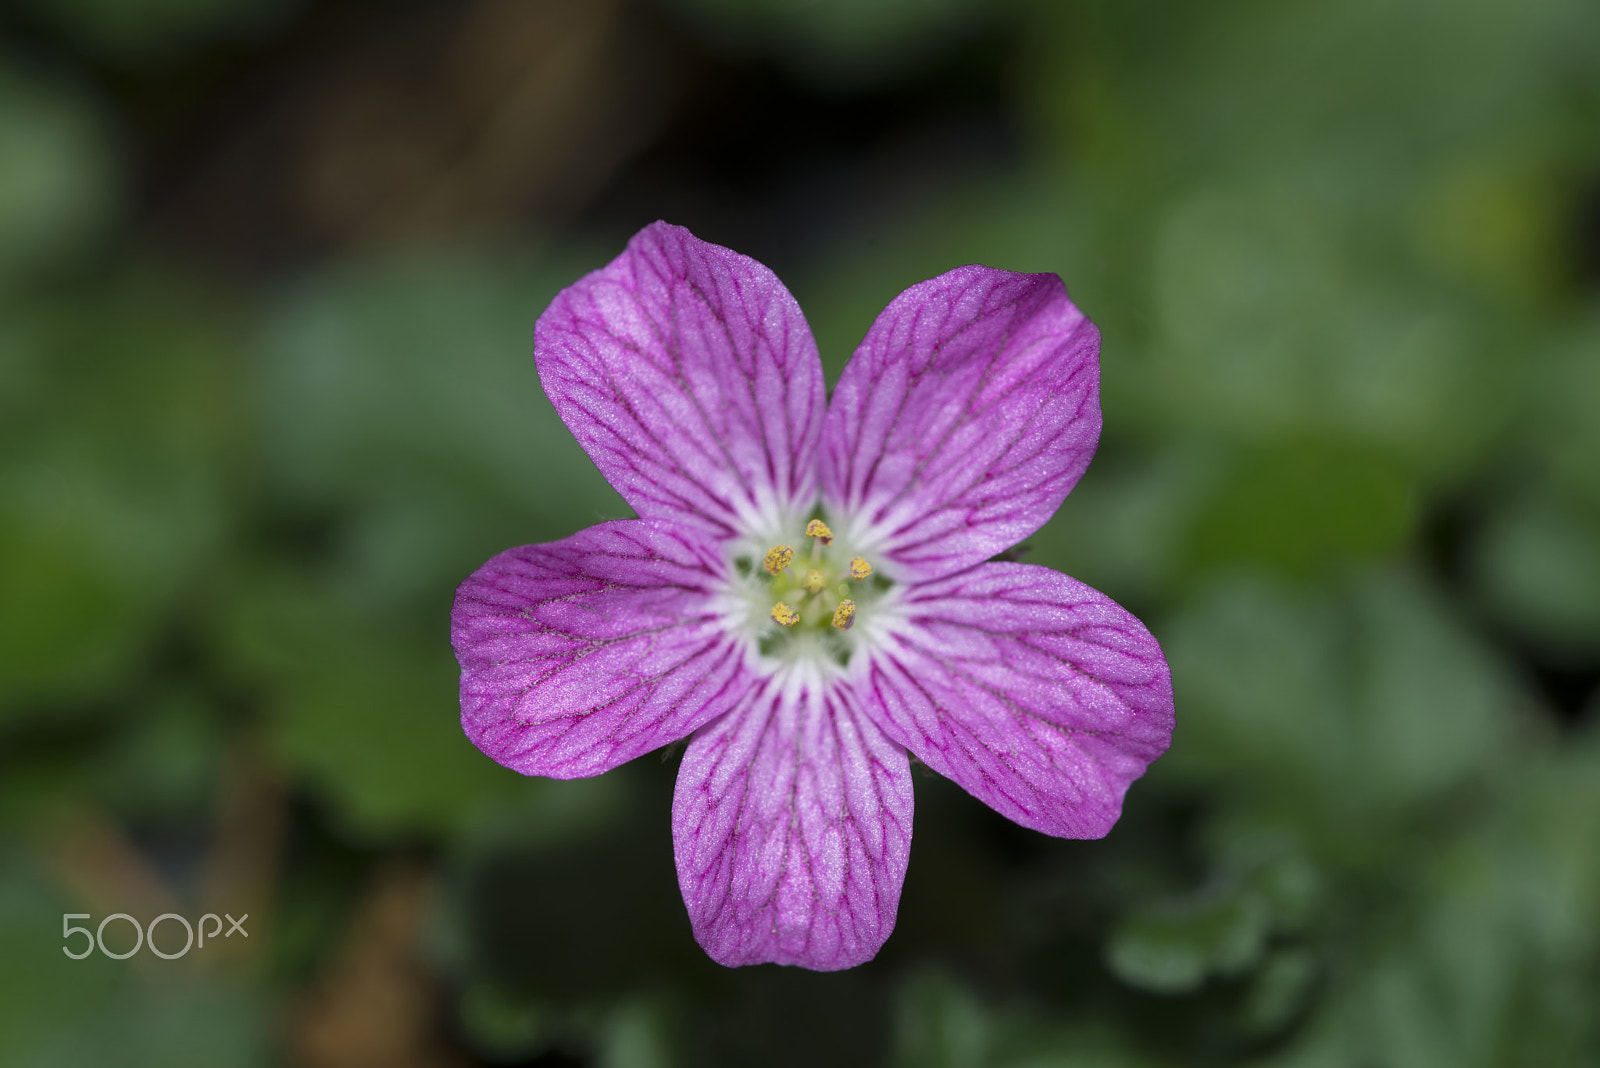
<point x="269" y="271"/>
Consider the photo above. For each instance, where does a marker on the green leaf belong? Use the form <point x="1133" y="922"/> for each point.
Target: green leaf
<point x="1346" y="708"/>
<point x="112" y="483"/>
<point x="1173" y="949"/>
<point x="400" y="399"/>
<point x="57" y="188"/>
<point x="365" y="712"/>
<point x="1538" y="566"/>
<point x="1303" y="508"/>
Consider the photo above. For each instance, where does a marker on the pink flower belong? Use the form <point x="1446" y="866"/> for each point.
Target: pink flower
<point x="808" y="591"/>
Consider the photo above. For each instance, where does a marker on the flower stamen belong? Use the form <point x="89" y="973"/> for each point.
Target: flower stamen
<point x="814" y="596"/>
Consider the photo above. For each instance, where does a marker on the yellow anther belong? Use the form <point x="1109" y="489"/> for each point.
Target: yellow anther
<point x="844" y="615"/>
<point x="859" y="568"/>
<point x="777" y="559"/>
<point x="784" y="615"/>
<point x="815" y="580"/>
<point x="819" y="530"/>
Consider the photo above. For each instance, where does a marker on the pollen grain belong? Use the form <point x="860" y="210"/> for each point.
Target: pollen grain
<point x="785" y="616"/>
<point x="777" y="559"/>
<point x="819" y="530"/>
<point x="845" y="614"/>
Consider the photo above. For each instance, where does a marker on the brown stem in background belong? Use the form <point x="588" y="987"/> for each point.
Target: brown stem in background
<point x="242" y="867"/>
<point x="375" y="1003"/>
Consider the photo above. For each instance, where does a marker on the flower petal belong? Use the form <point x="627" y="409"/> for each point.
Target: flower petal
<point x="1041" y="697"/>
<point x="968" y="412"/>
<point x="689" y="375"/>
<point x="791" y="825"/>
<point x="584" y="653"/>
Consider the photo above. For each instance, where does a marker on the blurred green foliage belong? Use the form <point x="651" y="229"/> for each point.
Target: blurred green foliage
<point x="59" y="179"/>
<point x="836" y="44"/>
<point x="1350" y="476"/>
<point x="144" y="30"/>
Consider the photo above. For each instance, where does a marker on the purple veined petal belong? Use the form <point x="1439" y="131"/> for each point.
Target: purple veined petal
<point x="791" y="827"/>
<point x="968" y="412"/>
<point x="584" y="653"/>
<point x="689" y="375"/>
<point x="1040" y="696"/>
